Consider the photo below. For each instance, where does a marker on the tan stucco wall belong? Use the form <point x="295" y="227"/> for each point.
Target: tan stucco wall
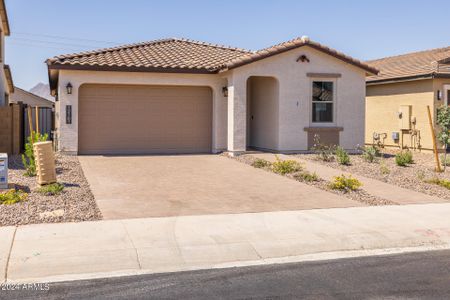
<point x="68" y="133"/>
<point x="28" y="98"/>
<point x="295" y="98"/>
<point x="3" y="83"/>
<point x="382" y="106"/>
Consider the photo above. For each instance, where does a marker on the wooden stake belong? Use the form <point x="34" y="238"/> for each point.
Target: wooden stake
<point x="30" y="122"/>
<point x="37" y="119"/>
<point x="433" y="136"/>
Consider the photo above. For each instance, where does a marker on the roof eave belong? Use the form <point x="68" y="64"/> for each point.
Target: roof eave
<point x="369" y="70"/>
<point x="408" y="78"/>
<point x="8" y="76"/>
<point x="4" y="16"/>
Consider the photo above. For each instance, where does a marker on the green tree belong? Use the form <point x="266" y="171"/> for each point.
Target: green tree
<point x="28" y="156"/>
<point x="443" y="120"/>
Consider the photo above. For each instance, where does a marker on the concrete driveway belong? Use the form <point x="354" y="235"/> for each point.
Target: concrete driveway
<point x="161" y="186"/>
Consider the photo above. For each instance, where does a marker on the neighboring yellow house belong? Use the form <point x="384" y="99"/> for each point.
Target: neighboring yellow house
<point x="397" y="98"/>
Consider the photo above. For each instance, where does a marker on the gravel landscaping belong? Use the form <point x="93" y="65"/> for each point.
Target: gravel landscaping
<point x="413" y="176"/>
<point x="357" y="195"/>
<point x="75" y="203"/>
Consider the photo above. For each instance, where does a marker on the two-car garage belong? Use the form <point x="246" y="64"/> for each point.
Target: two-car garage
<point x="143" y="119"/>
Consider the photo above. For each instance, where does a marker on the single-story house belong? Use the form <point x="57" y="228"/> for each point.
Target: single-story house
<point x="397" y="98"/>
<point x="183" y="96"/>
<point x="21" y="95"/>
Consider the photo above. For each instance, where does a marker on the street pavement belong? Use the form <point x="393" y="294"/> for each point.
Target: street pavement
<point x="424" y="275"/>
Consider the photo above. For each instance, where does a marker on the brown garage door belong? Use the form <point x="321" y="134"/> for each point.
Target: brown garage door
<point x="123" y="119"/>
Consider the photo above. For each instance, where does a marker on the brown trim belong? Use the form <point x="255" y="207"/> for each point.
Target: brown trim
<point x="323" y="129"/>
<point x="408" y="78"/>
<point x="128" y="69"/>
<point x="324" y="75"/>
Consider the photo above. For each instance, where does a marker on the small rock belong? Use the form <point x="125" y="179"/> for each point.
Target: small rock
<point x="52" y="214"/>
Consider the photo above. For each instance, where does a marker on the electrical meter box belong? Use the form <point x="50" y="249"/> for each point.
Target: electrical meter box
<point x="3" y="171"/>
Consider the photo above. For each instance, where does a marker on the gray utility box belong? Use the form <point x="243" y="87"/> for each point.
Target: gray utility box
<point x="3" y="171"/>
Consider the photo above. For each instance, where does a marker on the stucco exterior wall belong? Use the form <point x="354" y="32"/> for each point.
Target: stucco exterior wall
<point x="68" y="133"/>
<point x="3" y="83"/>
<point x="295" y="97"/>
<point x="382" y="106"/>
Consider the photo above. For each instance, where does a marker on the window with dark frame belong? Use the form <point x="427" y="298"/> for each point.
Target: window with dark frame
<point x="322" y="102"/>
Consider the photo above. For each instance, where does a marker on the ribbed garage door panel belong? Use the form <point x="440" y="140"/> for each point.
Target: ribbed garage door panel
<point x="123" y="119"/>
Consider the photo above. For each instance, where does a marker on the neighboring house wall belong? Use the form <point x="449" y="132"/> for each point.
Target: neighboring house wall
<point x="3" y="83"/>
<point x="29" y="98"/>
<point x="68" y="133"/>
<point x="295" y="98"/>
<point x="383" y="104"/>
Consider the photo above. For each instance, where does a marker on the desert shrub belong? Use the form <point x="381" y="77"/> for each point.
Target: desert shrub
<point x="384" y="169"/>
<point x="342" y="156"/>
<point x="421" y="175"/>
<point x="284" y="167"/>
<point x="324" y="152"/>
<point x="404" y="158"/>
<point x="445" y="160"/>
<point x="441" y="182"/>
<point x="345" y="183"/>
<point x="260" y="163"/>
<point x="51" y="189"/>
<point x="306" y="176"/>
<point x="12" y="197"/>
<point x="28" y="156"/>
<point x="370" y="153"/>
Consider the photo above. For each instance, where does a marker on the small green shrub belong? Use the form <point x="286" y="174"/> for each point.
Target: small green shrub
<point x="12" y="197"/>
<point x="345" y="183"/>
<point x="324" y="152"/>
<point x="284" y="167"/>
<point x="384" y="169"/>
<point x="28" y="156"/>
<point x="404" y="158"/>
<point x="51" y="189"/>
<point x="370" y="153"/>
<point x="445" y="160"/>
<point x="342" y="156"/>
<point x="421" y="175"/>
<point x="306" y="176"/>
<point x="261" y="163"/>
<point x="441" y="182"/>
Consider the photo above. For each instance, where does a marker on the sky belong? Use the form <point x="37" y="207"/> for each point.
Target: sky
<point x="41" y="29"/>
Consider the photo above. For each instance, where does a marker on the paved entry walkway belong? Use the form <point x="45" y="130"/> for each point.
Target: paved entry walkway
<point x="372" y="186"/>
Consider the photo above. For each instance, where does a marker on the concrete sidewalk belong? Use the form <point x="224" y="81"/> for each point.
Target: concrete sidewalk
<point x="54" y="252"/>
<point x="372" y="186"/>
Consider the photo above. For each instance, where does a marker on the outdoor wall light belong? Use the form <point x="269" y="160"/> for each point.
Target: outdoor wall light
<point x="69" y="88"/>
<point x="439" y="95"/>
<point x="225" y="91"/>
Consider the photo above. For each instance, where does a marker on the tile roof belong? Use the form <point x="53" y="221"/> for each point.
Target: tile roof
<point x="183" y="55"/>
<point x="434" y="62"/>
<point x="292" y="44"/>
<point x="167" y="54"/>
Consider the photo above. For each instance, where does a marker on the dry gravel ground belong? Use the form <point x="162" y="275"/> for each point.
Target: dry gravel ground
<point x="76" y="203"/>
<point x="358" y="195"/>
<point x="412" y="177"/>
